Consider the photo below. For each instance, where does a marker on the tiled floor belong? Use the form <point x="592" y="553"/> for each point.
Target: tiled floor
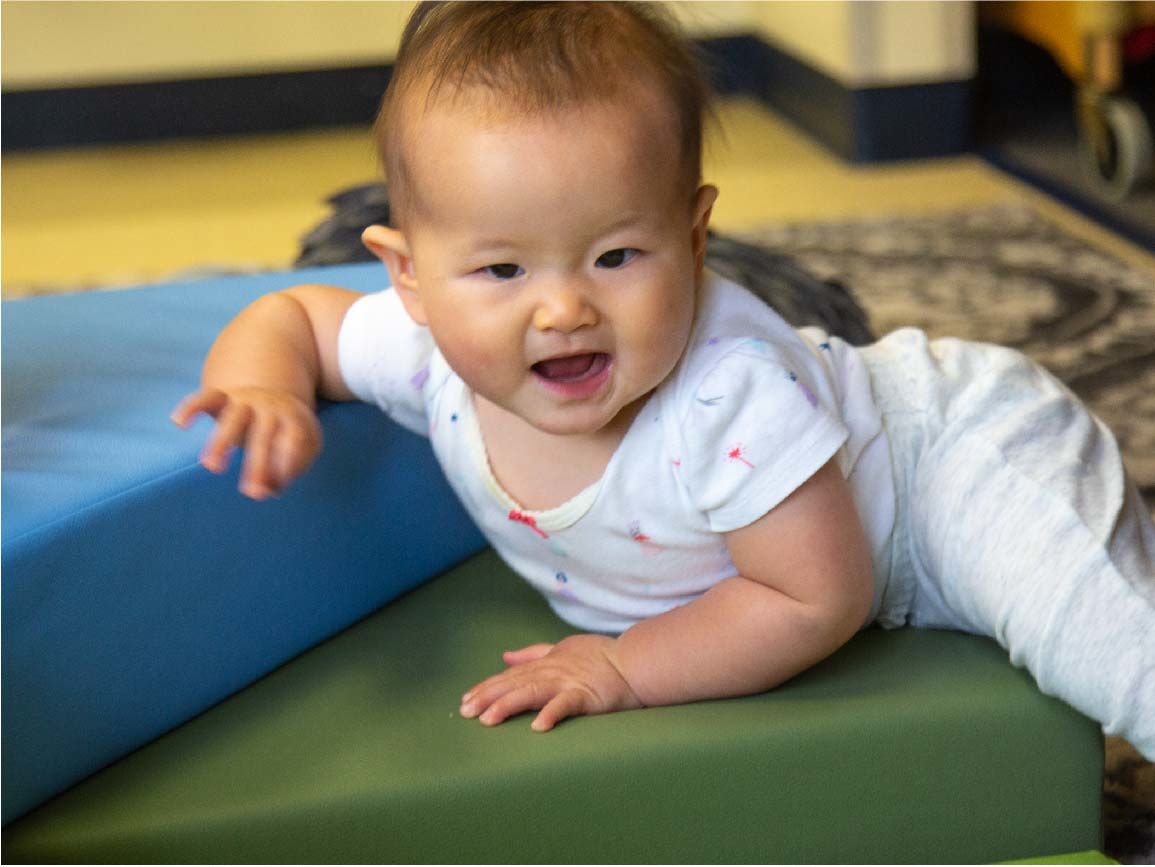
<point x="132" y="214"/>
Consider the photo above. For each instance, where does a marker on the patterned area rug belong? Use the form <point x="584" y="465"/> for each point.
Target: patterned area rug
<point x="1006" y="275"/>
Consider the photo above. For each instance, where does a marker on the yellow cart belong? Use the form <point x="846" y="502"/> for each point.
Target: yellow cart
<point x="1108" y="50"/>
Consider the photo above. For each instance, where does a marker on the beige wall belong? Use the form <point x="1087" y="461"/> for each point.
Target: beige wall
<point x="874" y="42"/>
<point x="46" y="44"/>
<point x="62" y="43"/>
<point x="50" y="43"/>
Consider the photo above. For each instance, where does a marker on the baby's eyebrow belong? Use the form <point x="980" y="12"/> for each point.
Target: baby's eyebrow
<point x="496" y="245"/>
<point x="624" y="222"/>
<point x="489" y="245"/>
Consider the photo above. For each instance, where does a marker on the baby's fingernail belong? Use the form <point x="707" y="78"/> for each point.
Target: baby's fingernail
<point x="465" y="698"/>
<point x="467" y="709"/>
<point x="215" y="461"/>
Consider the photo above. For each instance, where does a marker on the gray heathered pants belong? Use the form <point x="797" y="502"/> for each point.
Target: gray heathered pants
<point x="1016" y="520"/>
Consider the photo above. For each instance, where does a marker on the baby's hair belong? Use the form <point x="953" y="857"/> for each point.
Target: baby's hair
<point x="538" y="57"/>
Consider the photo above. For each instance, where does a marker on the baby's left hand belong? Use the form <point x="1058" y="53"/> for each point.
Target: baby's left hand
<point x="578" y="675"/>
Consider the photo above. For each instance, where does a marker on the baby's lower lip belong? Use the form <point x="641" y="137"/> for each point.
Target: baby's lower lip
<point x="580" y="385"/>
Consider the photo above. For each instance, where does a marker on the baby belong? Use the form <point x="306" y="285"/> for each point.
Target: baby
<point x="716" y="499"/>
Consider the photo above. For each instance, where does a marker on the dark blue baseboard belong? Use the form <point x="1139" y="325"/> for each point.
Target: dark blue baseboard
<point x="1133" y="230"/>
<point x="860" y="125"/>
<point x="233" y="105"/>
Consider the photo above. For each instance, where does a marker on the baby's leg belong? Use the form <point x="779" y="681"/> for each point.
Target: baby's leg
<point x="1025" y="528"/>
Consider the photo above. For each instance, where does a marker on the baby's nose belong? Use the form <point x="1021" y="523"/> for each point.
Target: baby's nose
<point x="564" y="308"/>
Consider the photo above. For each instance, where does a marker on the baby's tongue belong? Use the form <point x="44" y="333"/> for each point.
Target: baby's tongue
<point x="565" y="368"/>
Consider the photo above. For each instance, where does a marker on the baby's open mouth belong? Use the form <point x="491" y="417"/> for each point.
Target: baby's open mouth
<point x="572" y="368"/>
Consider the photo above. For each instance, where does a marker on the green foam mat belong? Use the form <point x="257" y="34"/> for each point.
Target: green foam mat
<point x="1091" y="857"/>
<point x="901" y="747"/>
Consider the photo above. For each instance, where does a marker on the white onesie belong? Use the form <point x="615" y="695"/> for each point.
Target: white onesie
<point x="753" y="409"/>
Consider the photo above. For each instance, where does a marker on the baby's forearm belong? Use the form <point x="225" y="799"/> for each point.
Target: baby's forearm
<point x="739" y="638"/>
<point x="270" y="344"/>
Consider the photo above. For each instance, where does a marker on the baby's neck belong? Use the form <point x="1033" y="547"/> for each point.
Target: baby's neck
<point x="541" y="470"/>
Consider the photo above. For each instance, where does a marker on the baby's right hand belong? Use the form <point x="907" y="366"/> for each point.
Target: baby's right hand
<point x="278" y="431"/>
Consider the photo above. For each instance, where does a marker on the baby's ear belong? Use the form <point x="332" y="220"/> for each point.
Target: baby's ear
<point x="390" y="246"/>
<point x="703" y="204"/>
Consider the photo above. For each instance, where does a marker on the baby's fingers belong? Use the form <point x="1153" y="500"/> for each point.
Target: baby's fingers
<point x="295" y="448"/>
<point x="210" y="401"/>
<point x="232" y="422"/>
<point x="257" y="478"/>
<point x="529" y="696"/>
<point x="571" y="702"/>
<point x="526" y="654"/>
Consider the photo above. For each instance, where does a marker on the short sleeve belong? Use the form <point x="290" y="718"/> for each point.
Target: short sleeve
<point x="384" y="358"/>
<point x="753" y="431"/>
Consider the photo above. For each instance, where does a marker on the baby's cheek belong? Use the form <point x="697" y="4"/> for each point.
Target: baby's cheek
<point x="669" y="332"/>
<point x="483" y="365"/>
<point x="452" y="335"/>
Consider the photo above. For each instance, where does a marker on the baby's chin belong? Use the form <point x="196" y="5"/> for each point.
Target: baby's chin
<point x="588" y="420"/>
<point x="572" y="424"/>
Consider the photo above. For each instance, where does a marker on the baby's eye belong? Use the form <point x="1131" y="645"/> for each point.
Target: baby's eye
<point x="616" y="258"/>
<point x="504" y="271"/>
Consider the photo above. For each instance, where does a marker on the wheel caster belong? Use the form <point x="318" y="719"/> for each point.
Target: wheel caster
<point x="1115" y="144"/>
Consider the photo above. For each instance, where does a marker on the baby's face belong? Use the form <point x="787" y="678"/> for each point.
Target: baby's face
<point x="556" y="258"/>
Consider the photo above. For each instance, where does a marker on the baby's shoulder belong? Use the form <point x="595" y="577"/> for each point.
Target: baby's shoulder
<point x="727" y="375"/>
<point x="736" y="336"/>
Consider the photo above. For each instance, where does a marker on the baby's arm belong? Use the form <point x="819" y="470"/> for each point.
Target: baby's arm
<point x="261" y="380"/>
<point x="803" y="590"/>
